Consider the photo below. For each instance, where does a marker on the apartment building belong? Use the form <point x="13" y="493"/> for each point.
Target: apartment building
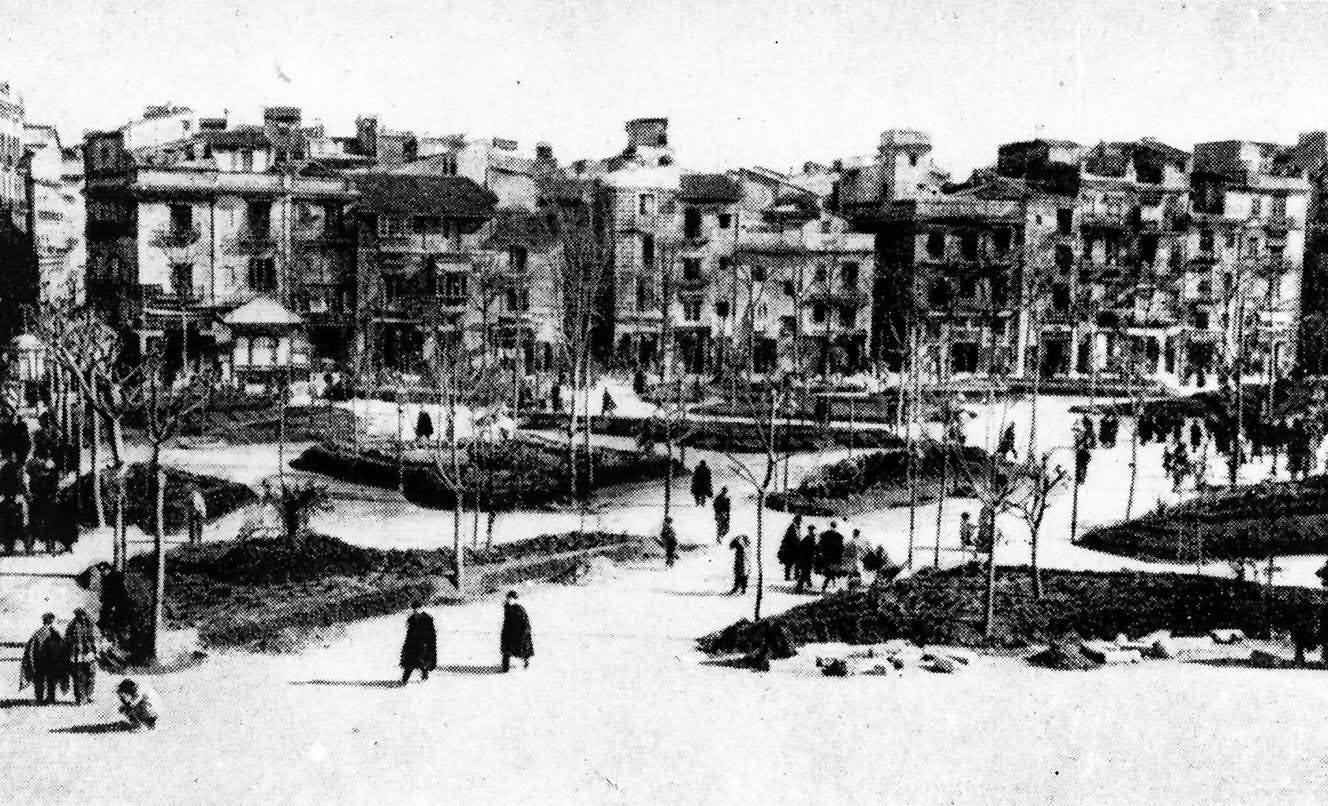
<point x="183" y="232"/>
<point x="18" y="269"/>
<point x="55" y="215"/>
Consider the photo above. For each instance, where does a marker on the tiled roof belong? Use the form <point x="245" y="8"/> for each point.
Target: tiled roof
<point x="442" y="196"/>
<point x="518" y="228"/>
<point x="239" y="137"/>
<point x="709" y="187"/>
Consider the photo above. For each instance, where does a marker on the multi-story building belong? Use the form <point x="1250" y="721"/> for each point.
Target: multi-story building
<point x="802" y="281"/>
<point x="424" y="283"/>
<point x="18" y="270"/>
<point x="181" y="233"/>
<point x="56" y="215"/>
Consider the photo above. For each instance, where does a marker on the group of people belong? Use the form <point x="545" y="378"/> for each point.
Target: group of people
<point x="828" y="554"/>
<point x="419" y="650"/>
<point x="30" y="509"/>
<point x="51" y="662"/>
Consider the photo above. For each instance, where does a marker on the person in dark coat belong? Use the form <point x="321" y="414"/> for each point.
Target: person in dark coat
<point x="606" y="404"/>
<point x="82" y="648"/>
<point x="806" y="559"/>
<point x="668" y="540"/>
<point x="741" y="564"/>
<point x="517" y="641"/>
<point x="45" y="486"/>
<point x="831" y="555"/>
<point x="788" y="547"/>
<point x="420" y="649"/>
<point x="556" y="396"/>
<point x="44" y="661"/>
<point x="723" y="510"/>
<point x="1006" y="446"/>
<point x="702" y="487"/>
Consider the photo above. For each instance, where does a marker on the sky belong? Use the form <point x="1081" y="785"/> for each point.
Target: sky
<point x="743" y="82"/>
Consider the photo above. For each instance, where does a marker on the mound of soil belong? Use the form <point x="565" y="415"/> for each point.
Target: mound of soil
<point x="945" y="607"/>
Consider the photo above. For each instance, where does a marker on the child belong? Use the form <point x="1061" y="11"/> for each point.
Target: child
<point x="140" y="704"/>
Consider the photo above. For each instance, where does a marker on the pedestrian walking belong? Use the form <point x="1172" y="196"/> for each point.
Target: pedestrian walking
<point x="45" y="486"/>
<point x="741" y="563"/>
<point x="723" y="510"/>
<point x="702" y="487"/>
<point x="82" y="649"/>
<point x="668" y="540"/>
<point x="420" y="649"/>
<point x="830" y="552"/>
<point x="606" y="404"/>
<point x="197" y="514"/>
<point x="967" y="531"/>
<point x="556" y="395"/>
<point x="788" y="547"/>
<point x="1006" y="447"/>
<point x="853" y="551"/>
<point x="43" y="661"/>
<point x="517" y="641"/>
<point x="19" y="520"/>
<point x="806" y="559"/>
<point x="140" y="705"/>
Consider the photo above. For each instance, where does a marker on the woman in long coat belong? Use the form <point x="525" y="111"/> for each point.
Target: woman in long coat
<point x="788" y="547"/>
<point x="517" y="641"/>
<point x="702" y="484"/>
<point x="420" y="649"/>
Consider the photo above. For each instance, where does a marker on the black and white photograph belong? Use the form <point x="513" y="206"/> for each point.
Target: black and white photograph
<point x="622" y="402"/>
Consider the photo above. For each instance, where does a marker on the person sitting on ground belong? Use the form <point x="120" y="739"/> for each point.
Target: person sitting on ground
<point x="788" y="547"/>
<point x="723" y="511"/>
<point x="140" y="705"/>
<point x="668" y="540"/>
<point x="517" y="641"/>
<point x="741" y="564"/>
<point x="420" y="649"/>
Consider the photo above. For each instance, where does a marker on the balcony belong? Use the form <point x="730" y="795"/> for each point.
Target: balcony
<point x="322" y="239"/>
<point x="1279" y="225"/>
<point x="1103" y="220"/>
<point x="837" y="296"/>
<point x="256" y="242"/>
<point x="176" y="237"/>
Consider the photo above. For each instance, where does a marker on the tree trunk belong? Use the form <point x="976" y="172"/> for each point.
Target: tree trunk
<point x="1074" y="511"/>
<point x="98" y="501"/>
<point x="1134" y="463"/>
<point x="760" y="545"/>
<point x="159" y="587"/>
<point x="989" y="597"/>
<point x="1034" y="571"/>
<point x="940" y="503"/>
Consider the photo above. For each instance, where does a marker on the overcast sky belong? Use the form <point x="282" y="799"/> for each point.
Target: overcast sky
<point x="765" y="82"/>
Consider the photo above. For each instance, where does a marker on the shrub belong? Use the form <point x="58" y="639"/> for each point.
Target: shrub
<point x="221" y="496"/>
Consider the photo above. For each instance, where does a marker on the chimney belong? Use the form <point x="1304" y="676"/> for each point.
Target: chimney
<point x="647" y="133"/>
<point x="543" y="151"/>
<point x="366" y="134"/>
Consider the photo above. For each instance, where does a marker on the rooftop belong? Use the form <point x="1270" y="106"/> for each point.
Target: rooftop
<point x="442" y="196"/>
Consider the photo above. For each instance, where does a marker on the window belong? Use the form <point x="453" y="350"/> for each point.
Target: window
<point x="1201" y="320"/>
<point x="1001" y="241"/>
<point x="647" y="204"/>
<point x="518" y="299"/>
<point x="725" y="220"/>
<point x="691" y="223"/>
<point x="1256" y="207"/>
<point x="722" y="310"/>
<point x="847" y="317"/>
<point x="454" y="288"/>
<point x="246" y="160"/>
<point x="691" y="310"/>
<point x="691" y="269"/>
<point x="1205" y="240"/>
<point x="725" y="264"/>
<point x="1000" y="289"/>
<point x="262" y="274"/>
<point x="968" y="286"/>
<point x="182" y="278"/>
<point x="758" y="273"/>
<point x="648" y="251"/>
<point x="263" y="352"/>
<point x="936" y="244"/>
<point x="182" y="218"/>
<point x="939" y="295"/>
<point x="789" y="290"/>
<point x="259" y="219"/>
<point x="912" y="160"/>
<point x="848" y="276"/>
<point x="968" y="246"/>
<point x="1064" y="221"/>
<point x="1060" y="297"/>
<point x="391" y="226"/>
<point x="825" y="227"/>
<point x="642" y="294"/>
<point x="394" y="287"/>
<point x="516" y="259"/>
<point x="1064" y="258"/>
<point x="818" y="312"/>
<point x="964" y="357"/>
<point x="818" y="275"/>
<point x="1148" y="249"/>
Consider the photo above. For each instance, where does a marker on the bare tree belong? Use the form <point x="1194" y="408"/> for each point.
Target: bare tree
<point x="1037" y="484"/>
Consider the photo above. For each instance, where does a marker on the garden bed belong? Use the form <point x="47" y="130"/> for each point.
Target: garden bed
<point x="1244" y="522"/>
<point x="512" y="473"/>
<point x="877" y="480"/>
<point x="725" y="435"/>
<point x="221" y="496"/>
<point x="269" y="595"/>
<point x="945" y="607"/>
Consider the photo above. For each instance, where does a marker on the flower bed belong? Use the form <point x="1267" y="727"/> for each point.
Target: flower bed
<point x="945" y="607"/>
<point x="1247" y="521"/>
<point x="269" y="595"/>
<point x="516" y="473"/>
<point x="222" y="497"/>
<point x="877" y="479"/>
